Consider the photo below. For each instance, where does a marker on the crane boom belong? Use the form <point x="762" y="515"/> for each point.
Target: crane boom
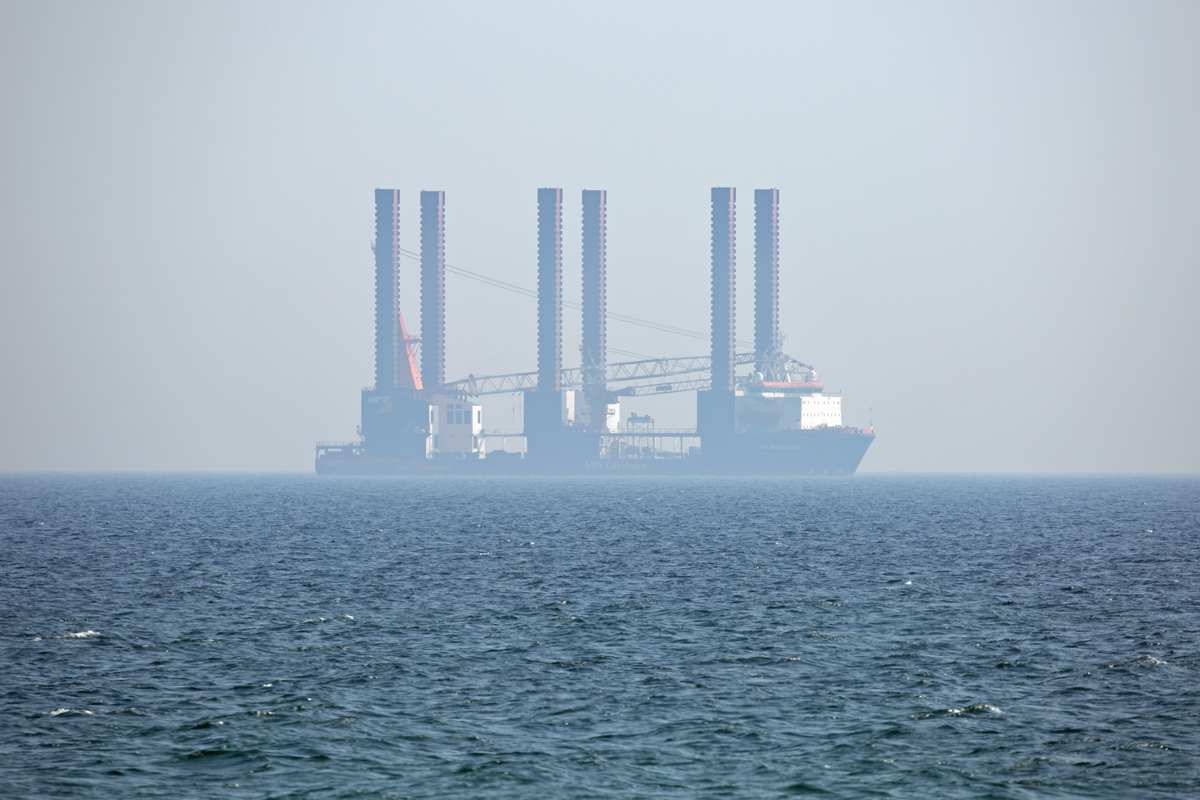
<point x="646" y="375"/>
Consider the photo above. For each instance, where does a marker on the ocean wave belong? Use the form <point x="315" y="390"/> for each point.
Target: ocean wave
<point x="1144" y="660"/>
<point x="974" y="708"/>
<point x="79" y="635"/>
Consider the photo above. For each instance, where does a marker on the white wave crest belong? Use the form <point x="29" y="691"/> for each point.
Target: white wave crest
<point x="975" y="708"/>
<point x="79" y="635"/>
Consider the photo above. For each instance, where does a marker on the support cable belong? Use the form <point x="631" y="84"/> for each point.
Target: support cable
<point x="521" y="290"/>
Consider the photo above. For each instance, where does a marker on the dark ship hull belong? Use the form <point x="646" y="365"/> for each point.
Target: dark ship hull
<point x="834" y="451"/>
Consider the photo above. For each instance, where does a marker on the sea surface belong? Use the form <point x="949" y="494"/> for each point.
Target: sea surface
<point x="293" y="636"/>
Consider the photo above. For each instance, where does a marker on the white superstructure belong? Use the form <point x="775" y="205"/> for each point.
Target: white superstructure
<point x="820" y="411"/>
<point x="458" y="427"/>
<point x="779" y="407"/>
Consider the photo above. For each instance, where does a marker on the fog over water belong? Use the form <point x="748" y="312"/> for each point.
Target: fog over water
<point x="989" y="236"/>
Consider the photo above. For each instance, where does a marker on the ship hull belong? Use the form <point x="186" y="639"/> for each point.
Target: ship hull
<point x="823" y="452"/>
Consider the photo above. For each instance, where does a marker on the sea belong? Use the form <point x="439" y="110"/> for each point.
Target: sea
<point x="296" y="636"/>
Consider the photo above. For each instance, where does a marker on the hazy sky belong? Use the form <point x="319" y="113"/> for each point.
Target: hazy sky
<point x="990" y="213"/>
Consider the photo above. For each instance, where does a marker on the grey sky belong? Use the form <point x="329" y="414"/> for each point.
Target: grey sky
<point x="990" y="212"/>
